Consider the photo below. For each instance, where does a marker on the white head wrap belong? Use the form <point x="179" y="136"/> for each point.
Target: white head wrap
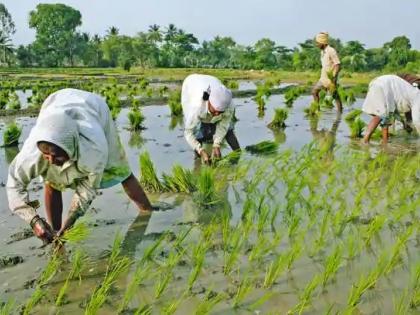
<point x="220" y="97"/>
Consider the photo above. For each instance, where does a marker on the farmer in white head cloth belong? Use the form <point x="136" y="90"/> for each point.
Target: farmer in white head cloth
<point x="208" y="114"/>
<point x="74" y="144"/>
<point x="389" y="97"/>
<point x="330" y="69"/>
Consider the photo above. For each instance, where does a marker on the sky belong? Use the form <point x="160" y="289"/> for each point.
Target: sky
<point x="287" y="22"/>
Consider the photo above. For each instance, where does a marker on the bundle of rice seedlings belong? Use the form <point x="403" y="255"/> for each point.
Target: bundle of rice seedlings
<point x="14" y="102"/>
<point x="75" y="234"/>
<point x="355" y="113"/>
<point x="292" y="94"/>
<point x="136" y="118"/>
<point x="182" y="180"/>
<point x="232" y="84"/>
<point x="230" y="159"/>
<point x="264" y="147"/>
<point x="174" y="103"/>
<point x="312" y="110"/>
<point x="206" y="194"/>
<point x="280" y="116"/>
<point x="148" y="177"/>
<point x="357" y="127"/>
<point x="11" y="135"/>
<point x="346" y="95"/>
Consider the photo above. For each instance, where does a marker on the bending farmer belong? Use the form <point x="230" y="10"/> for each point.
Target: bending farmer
<point x="329" y="72"/>
<point x="74" y="144"/>
<point x="208" y="114"/>
<point x="387" y="98"/>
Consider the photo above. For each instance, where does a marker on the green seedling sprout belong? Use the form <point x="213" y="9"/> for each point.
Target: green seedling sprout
<point x="8" y="307"/>
<point x="264" y="147"/>
<point x="182" y="180"/>
<point x="332" y="264"/>
<point x="136" y="119"/>
<point x="140" y="274"/>
<point x="14" y="102"/>
<point x="144" y="310"/>
<point x="11" y="135"/>
<point x="357" y="127"/>
<point x="280" y="116"/>
<point x="402" y="303"/>
<point x="209" y="302"/>
<point x="77" y="233"/>
<point x="48" y="273"/>
<point x="78" y="262"/>
<point x="306" y="296"/>
<point x="198" y="256"/>
<point x="275" y="269"/>
<point x="312" y="110"/>
<point x="148" y="177"/>
<point x="355" y="113"/>
<point x="244" y="289"/>
<point x="206" y="194"/>
<point x="117" y="265"/>
<point x="174" y="103"/>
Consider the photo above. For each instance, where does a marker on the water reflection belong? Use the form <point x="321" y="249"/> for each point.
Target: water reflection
<point x="325" y="138"/>
<point x="10" y="153"/>
<point x="136" y="140"/>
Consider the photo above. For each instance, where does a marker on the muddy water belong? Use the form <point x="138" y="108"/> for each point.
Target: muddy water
<point x="112" y="211"/>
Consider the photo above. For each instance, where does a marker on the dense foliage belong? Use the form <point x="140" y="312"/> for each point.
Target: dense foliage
<point x="59" y="42"/>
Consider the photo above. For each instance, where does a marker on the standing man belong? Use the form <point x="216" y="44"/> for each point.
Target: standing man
<point x="330" y="69"/>
<point x="387" y="98"/>
<point x="208" y="114"/>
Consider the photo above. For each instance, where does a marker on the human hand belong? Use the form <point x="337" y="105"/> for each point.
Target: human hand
<point x="204" y="157"/>
<point x="42" y="230"/>
<point x="216" y="154"/>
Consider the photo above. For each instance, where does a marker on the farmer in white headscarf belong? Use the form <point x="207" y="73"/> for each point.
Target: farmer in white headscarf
<point x="208" y="114"/>
<point x="330" y="69"/>
<point x="74" y="144"/>
<point x="388" y="97"/>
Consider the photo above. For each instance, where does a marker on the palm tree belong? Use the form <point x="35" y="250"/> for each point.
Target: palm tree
<point x="154" y="33"/>
<point x="113" y="31"/>
<point x="6" y="47"/>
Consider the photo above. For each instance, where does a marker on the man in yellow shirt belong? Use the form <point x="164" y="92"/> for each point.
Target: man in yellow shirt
<point x="330" y="69"/>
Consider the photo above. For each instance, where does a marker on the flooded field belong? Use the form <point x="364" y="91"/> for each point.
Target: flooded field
<point x="324" y="225"/>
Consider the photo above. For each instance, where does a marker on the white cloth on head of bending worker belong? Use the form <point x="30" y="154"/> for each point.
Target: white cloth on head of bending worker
<point x="389" y="94"/>
<point x="80" y="123"/>
<point x="195" y="109"/>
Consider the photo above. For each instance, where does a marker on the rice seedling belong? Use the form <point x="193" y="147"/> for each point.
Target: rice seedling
<point x="332" y="264"/>
<point x="355" y="113"/>
<point x="260" y="301"/>
<point x="163" y="90"/>
<point x="140" y="274"/>
<point x="136" y="119"/>
<point x="354" y="246"/>
<point x="148" y="177"/>
<point x="264" y="147"/>
<point x="312" y="110"/>
<point x="163" y="282"/>
<point x="11" y="135"/>
<point x="374" y="227"/>
<point x="415" y="286"/>
<point x="232" y="249"/>
<point x="346" y="95"/>
<point x="232" y="84"/>
<point x="280" y="116"/>
<point x="75" y="234"/>
<point x="48" y="273"/>
<point x="172" y="306"/>
<point x="14" y="102"/>
<point x="149" y="251"/>
<point x="144" y="310"/>
<point x="117" y="265"/>
<point x="79" y="259"/>
<point x="306" y="296"/>
<point x="174" y="103"/>
<point x="206" y="194"/>
<point x="292" y="94"/>
<point x="402" y="303"/>
<point x="210" y="300"/>
<point x="182" y="180"/>
<point x="199" y="254"/>
<point x="357" y="126"/>
<point x="244" y="288"/>
<point x="8" y="307"/>
<point x="395" y="257"/>
<point x="275" y="269"/>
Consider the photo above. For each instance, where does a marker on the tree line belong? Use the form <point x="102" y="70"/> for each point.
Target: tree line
<point x="60" y="43"/>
